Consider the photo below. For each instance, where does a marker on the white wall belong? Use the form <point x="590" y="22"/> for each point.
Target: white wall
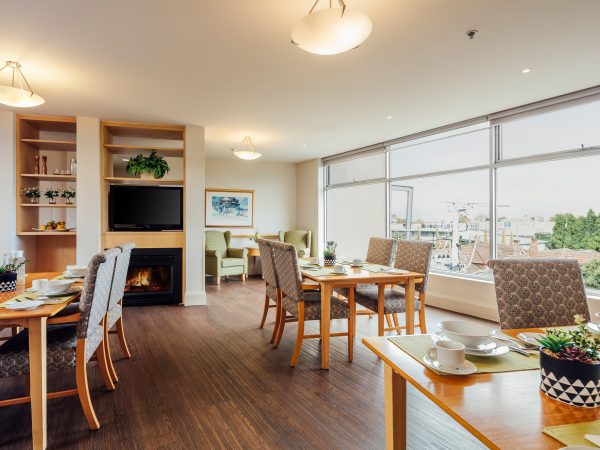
<point x="8" y="240"/>
<point x="89" y="187"/>
<point x="309" y="201"/>
<point x="275" y="191"/>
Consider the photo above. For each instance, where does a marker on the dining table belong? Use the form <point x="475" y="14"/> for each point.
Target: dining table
<point x="502" y="410"/>
<point x="352" y="278"/>
<point x="35" y="321"/>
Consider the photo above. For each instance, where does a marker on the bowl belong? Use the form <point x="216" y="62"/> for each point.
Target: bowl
<point x="58" y="286"/>
<point x="468" y="333"/>
<point x="77" y="271"/>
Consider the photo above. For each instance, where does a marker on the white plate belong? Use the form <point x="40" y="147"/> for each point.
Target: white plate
<point x="467" y="368"/>
<point x="529" y="337"/>
<point x="70" y="275"/>
<point x="59" y="294"/>
<point x="25" y="305"/>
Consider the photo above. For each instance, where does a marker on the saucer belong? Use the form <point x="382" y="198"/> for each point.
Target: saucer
<point x="25" y="305"/>
<point x="488" y="348"/>
<point x="70" y="275"/>
<point x="467" y="367"/>
<point x="31" y="290"/>
<point x="59" y="294"/>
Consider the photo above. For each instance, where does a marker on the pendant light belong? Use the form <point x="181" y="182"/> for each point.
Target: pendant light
<point x="249" y="154"/>
<point x="19" y="93"/>
<point x="332" y="30"/>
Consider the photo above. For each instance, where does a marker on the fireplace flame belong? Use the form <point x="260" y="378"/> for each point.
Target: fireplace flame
<point x="140" y="277"/>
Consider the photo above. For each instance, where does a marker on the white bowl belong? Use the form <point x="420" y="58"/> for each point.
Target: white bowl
<point x="77" y="271"/>
<point x="58" y="286"/>
<point x="468" y="333"/>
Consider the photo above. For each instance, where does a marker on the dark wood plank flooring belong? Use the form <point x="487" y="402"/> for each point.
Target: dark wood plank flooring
<point x="207" y="377"/>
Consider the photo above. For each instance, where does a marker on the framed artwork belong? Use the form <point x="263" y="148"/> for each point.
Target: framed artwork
<point x="229" y="208"/>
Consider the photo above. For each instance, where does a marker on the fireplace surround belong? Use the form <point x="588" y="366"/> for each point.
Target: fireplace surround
<point x="154" y="277"/>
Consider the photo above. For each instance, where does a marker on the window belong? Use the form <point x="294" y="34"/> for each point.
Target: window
<point x="370" y="167"/>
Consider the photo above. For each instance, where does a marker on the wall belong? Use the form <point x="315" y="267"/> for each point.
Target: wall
<point x="8" y="240"/>
<point x="309" y="201"/>
<point x="275" y="191"/>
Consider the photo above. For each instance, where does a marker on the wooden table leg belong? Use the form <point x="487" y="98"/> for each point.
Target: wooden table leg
<point x="37" y="377"/>
<point x="325" y="323"/>
<point x="395" y="410"/>
<point x="409" y="289"/>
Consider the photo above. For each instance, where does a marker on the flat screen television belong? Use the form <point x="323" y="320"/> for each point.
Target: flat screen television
<point x="145" y="208"/>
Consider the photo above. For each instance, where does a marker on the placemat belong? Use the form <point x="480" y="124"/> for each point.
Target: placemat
<point x="33" y="296"/>
<point x="320" y="272"/>
<point x="572" y="434"/>
<point x="418" y="346"/>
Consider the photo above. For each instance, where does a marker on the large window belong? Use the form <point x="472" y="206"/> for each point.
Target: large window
<point x="520" y="186"/>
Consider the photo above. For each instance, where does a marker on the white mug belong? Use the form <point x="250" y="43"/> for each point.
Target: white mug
<point x="39" y="284"/>
<point x="448" y="353"/>
<point x="339" y="268"/>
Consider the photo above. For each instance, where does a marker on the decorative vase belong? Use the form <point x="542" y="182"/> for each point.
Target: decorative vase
<point x="52" y="201"/>
<point x="329" y="259"/>
<point x="8" y="282"/>
<point x="69" y="201"/>
<point x="147" y="176"/>
<point x="571" y="382"/>
<point x="33" y="200"/>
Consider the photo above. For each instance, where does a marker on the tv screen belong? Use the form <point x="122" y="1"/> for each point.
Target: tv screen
<point x="145" y="208"/>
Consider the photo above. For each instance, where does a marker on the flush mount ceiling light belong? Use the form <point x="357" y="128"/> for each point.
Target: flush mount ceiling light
<point x="331" y="31"/>
<point x="19" y="93"/>
<point x="249" y="154"/>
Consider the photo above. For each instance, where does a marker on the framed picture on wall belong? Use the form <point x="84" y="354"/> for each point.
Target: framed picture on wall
<point x="229" y="208"/>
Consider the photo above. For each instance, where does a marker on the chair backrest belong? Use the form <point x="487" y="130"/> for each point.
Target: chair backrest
<point x="300" y="239"/>
<point x="95" y="294"/>
<point x="533" y="293"/>
<point x="381" y="251"/>
<point x="288" y="273"/>
<point x="415" y="257"/>
<point x="266" y="260"/>
<point x="120" y="276"/>
<point x="215" y="240"/>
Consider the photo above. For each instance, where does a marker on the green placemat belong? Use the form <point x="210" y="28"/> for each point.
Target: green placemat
<point x="33" y="296"/>
<point x="320" y="272"/>
<point x="572" y="434"/>
<point x="418" y="346"/>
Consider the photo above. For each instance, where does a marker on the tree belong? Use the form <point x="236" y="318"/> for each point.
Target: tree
<point x="591" y="274"/>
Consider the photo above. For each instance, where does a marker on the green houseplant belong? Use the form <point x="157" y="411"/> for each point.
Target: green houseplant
<point x="152" y="164"/>
<point x="570" y="365"/>
<point x="32" y="193"/>
<point x="8" y="276"/>
<point x="69" y="194"/>
<point x="52" y="195"/>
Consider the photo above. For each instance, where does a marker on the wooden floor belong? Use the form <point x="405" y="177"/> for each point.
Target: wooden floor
<point x="207" y="377"/>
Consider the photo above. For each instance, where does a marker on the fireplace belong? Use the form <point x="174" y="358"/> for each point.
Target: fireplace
<point x="154" y="277"/>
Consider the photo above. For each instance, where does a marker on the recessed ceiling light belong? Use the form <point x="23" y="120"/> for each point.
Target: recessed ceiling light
<point x="526" y="70"/>
<point x="304" y="145"/>
<point x="389" y="117"/>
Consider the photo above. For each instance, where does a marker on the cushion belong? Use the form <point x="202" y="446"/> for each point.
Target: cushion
<point x="312" y="307"/>
<point x="232" y="262"/>
<point x="394" y="300"/>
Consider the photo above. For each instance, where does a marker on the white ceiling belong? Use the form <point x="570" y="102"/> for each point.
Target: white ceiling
<point x="229" y="65"/>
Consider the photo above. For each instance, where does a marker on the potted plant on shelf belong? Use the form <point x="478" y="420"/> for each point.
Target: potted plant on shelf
<point x="570" y="365"/>
<point x="8" y="276"/>
<point x="69" y="194"/>
<point x="148" y="167"/>
<point x="32" y="193"/>
<point x="52" y="195"/>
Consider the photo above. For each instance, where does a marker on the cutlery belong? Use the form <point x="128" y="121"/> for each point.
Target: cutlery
<point x="516" y="342"/>
<point x="518" y="350"/>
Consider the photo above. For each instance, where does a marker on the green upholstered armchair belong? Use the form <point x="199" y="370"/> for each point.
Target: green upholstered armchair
<point x="299" y="239"/>
<point x="221" y="259"/>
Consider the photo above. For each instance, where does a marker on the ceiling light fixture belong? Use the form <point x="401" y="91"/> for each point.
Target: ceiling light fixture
<point x="389" y="117"/>
<point x="247" y="154"/>
<point x="331" y="31"/>
<point x="526" y="70"/>
<point x="19" y="93"/>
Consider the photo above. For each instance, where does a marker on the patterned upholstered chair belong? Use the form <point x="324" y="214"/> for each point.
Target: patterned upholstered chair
<point x="533" y="293"/>
<point x="114" y="316"/>
<point x="304" y="305"/>
<point x="271" y="283"/>
<point x="221" y="259"/>
<point x="72" y="345"/>
<point x="411" y="256"/>
<point x="300" y="239"/>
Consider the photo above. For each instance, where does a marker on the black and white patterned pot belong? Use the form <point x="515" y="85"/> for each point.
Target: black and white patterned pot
<point x="8" y="282"/>
<point x="329" y="261"/>
<point x="571" y="382"/>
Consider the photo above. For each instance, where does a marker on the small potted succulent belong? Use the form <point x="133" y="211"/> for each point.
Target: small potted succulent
<point x="570" y="365"/>
<point x="8" y="276"/>
<point x="329" y="253"/>
<point x="52" y="195"/>
<point x="32" y="193"/>
<point x="69" y="194"/>
<point x="148" y="167"/>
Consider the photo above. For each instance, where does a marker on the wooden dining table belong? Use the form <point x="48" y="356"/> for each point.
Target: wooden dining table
<point x="354" y="277"/>
<point x="503" y="410"/>
<point x="35" y="321"/>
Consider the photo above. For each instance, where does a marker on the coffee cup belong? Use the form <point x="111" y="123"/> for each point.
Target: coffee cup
<point x="357" y="262"/>
<point x="39" y="285"/>
<point x="448" y="353"/>
<point x="338" y="268"/>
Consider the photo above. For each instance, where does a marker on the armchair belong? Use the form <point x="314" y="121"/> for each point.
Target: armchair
<point x="300" y="239"/>
<point x="221" y="259"/>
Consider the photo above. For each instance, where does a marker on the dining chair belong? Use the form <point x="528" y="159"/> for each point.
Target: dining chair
<point x="271" y="284"/>
<point x="71" y="345"/>
<point x="413" y="257"/>
<point x="114" y="315"/>
<point x="304" y="306"/>
<point x="534" y="293"/>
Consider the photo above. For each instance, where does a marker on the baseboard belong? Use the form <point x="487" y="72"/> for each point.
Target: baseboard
<point x="197" y="298"/>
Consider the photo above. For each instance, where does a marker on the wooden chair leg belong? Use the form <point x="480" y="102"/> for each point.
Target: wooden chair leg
<point x="122" y="340"/>
<point x="422" y="323"/>
<point x="218" y="279"/>
<point x="300" y="336"/>
<point x="388" y="320"/>
<point x="277" y="323"/>
<point x="82" y="386"/>
<point x="282" y="315"/>
<point x="265" y="312"/>
<point x="351" y="324"/>
<point x="103" y="365"/>
<point x="396" y="322"/>
<point x="111" y="368"/>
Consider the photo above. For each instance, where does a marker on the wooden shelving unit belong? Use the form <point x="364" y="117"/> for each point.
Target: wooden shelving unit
<point x="55" y="138"/>
<point x="143" y="182"/>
